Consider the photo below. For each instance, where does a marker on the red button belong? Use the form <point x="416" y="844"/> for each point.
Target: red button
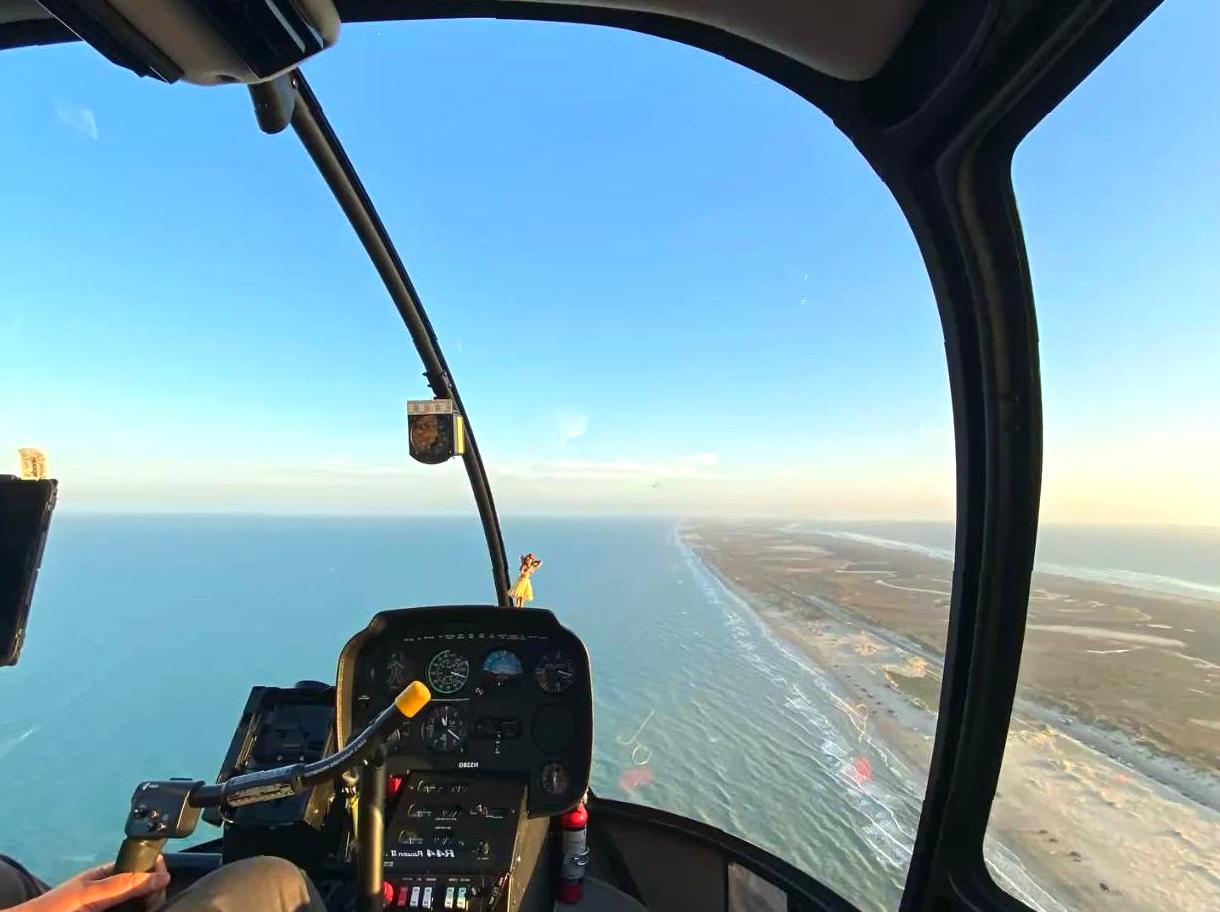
<point x="394" y="785"/>
<point x="402" y="894"/>
<point x="387" y="891"/>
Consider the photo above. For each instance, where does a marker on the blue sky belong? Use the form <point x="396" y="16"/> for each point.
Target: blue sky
<point x="663" y="282"/>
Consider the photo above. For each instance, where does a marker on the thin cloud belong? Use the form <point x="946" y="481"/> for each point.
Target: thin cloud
<point x="694" y="466"/>
<point x="77" y="117"/>
<point x="573" y="427"/>
<point x="365" y="469"/>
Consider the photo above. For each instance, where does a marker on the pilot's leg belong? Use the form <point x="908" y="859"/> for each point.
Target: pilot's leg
<point x="263" y="884"/>
<point x="17" y="885"/>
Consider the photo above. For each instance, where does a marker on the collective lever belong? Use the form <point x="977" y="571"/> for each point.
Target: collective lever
<point x="169" y="809"/>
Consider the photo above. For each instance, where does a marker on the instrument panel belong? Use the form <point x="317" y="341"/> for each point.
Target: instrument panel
<point x="511" y="696"/>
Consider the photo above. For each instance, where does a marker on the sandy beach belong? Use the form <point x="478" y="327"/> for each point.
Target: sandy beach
<point x="1110" y="795"/>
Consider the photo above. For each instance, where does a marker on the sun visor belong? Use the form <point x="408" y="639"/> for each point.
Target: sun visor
<point x="206" y="42"/>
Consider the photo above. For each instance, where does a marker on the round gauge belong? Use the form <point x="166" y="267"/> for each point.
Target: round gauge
<point x="448" y="671"/>
<point x="445" y="730"/>
<point x="555" y="671"/>
<point x="395" y="675"/>
<point x="554" y="779"/>
<point x="502" y="666"/>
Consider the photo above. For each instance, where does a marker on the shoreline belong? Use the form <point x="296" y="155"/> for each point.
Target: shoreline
<point x="898" y="727"/>
<point x="1068" y="786"/>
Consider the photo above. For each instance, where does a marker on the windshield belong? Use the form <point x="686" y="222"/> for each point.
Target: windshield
<point x="692" y="331"/>
<point x="654" y="275"/>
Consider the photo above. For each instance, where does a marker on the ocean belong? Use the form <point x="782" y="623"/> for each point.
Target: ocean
<point x="148" y="632"/>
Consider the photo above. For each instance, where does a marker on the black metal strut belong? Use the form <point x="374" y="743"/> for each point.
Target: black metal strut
<point x="289" y="100"/>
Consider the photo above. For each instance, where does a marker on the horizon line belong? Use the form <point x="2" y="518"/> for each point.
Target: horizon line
<point x="659" y="515"/>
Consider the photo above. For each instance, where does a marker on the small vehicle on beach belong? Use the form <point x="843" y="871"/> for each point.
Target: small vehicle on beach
<point x="448" y="764"/>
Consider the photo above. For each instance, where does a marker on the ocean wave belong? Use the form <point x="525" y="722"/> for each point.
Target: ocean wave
<point x="11" y="744"/>
<point x="885" y="808"/>
<point x="1008" y="871"/>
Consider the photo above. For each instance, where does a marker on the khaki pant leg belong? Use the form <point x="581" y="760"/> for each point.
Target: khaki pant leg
<point x="17" y="884"/>
<point x="263" y="884"/>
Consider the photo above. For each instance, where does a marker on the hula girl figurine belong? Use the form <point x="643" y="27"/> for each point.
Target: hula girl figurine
<point x="523" y="589"/>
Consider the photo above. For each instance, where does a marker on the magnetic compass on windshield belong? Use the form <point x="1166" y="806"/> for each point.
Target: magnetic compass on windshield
<point x="445" y="730"/>
<point x="448" y="672"/>
<point x="555" y="671"/>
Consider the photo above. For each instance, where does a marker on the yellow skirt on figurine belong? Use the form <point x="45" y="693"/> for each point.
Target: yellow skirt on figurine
<point x="523" y="590"/>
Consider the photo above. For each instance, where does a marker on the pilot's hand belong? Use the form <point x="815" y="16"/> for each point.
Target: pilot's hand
<point x="97" y="889"/>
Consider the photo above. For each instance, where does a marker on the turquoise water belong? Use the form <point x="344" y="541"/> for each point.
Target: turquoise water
<point x="148" y="632"/>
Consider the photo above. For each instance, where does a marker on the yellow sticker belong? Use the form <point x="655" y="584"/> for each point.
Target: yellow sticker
<point x="33" y="464"/>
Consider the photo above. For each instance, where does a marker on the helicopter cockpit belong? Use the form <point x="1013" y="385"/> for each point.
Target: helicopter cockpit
<point x="459" y="777"/>
<point x="450" y="764"/>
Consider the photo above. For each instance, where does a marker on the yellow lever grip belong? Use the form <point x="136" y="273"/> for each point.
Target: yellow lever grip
<point x="413" y="698"/>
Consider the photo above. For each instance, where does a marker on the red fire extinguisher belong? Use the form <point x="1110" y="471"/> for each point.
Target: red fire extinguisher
<point x="574" y="854"/>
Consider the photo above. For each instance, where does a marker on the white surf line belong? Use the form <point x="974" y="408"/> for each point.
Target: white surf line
<point x="1006" y="865"/>
<point x="937" y="553"/>
<point x="1134" y="579"/>
<point x="9" y="746"/>
<point x="1131" y="579"/>
<point x="881" y="818"/>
